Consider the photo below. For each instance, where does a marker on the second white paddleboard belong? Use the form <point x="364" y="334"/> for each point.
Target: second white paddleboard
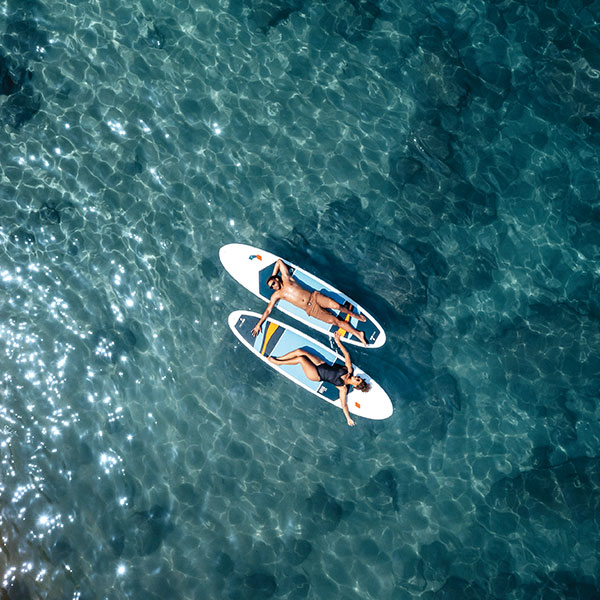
<point x="277" y="339"/>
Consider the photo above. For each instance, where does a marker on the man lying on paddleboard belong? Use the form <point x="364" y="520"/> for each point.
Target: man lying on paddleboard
<point x="316" y="369"/>
<point x="315" y="304"/>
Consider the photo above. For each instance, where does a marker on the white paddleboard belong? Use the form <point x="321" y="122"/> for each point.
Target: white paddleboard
<point x="277" y="339"/>
<point x="251" y="267"/>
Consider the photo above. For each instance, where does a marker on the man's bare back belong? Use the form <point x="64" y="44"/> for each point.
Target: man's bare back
<point x="315" y="304"/>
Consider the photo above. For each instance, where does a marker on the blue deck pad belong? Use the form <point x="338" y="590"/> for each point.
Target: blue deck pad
<point x="328" y="390"/>
<point x="275" y="340"/>
<point x="310" y="283"/>
<point x="245" y="325"/>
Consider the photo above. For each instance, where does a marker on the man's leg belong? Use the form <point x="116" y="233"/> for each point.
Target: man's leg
<point x="329" y="318"/>
<point x="327" y="302"/>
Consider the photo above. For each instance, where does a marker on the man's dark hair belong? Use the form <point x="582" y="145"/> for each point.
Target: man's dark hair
<point x="275" y="278"/>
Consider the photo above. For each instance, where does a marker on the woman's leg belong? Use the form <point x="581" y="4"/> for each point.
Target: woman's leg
<point x="306" y="360"/>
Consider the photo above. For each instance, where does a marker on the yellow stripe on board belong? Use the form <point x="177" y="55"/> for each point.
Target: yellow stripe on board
<point x="271" y="329"/>
<point x="341" y="331"/>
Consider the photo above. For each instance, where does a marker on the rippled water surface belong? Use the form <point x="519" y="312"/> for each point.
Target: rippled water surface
<point x="437" y="161"/>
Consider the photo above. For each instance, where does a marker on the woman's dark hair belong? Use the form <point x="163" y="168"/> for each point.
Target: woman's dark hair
<point x="274" y="278"/>
<point x="363" y="386"/>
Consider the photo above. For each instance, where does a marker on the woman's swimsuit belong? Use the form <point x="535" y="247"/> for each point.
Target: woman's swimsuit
<point x="332" y="373"/>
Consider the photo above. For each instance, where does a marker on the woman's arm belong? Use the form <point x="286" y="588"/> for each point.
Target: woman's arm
<point x="338" y="341"/>
<point x="343" y="400"/>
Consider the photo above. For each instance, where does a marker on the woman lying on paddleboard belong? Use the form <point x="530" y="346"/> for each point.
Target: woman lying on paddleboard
<point x="316" y="369"/>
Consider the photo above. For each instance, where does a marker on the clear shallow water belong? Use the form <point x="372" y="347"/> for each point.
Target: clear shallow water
<point x="438" y="163"/>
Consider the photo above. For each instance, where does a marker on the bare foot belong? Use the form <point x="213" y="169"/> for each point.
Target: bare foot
<point x="361" y="318"/>
<point x="362" y="338"/>
<point x="273" y="360"/>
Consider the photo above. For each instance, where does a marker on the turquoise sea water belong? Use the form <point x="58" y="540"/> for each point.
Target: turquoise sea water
<point x="437" y="161"/>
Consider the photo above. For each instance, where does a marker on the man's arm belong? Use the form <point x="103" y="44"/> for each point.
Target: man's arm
<point x="267" y="312"/>
<point x="280" y="266"/>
